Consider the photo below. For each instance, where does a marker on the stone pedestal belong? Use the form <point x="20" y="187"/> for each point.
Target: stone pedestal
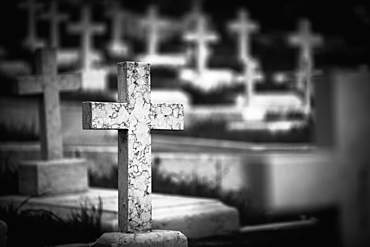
<point x="154" y="238"/>
<point x="3" y="231"/>
<point x="38" y="177"/>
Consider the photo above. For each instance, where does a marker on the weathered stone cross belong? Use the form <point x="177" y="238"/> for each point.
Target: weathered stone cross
<point x="134" y="116"/>
<point x="243" y="27"/>
<point x="153" y="25"/>
<point x="306" y="40"/>
<point x="49" y="83"/>
<point x="55" y="18"/>
<point x="87" y="29"/>
<point x="201" y="36"/>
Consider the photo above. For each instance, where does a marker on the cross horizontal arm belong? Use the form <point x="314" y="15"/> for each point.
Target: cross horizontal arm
<point x="167" y="116"/>
<point x="28" y="85"/>
<point x="107" y="115"/>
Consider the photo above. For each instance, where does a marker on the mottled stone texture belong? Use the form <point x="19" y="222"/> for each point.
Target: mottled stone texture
<point x="155" y="238"/>
<point x="48" y="83"/>
<point x="134" y="116"/>
<point x="52" y="177"/>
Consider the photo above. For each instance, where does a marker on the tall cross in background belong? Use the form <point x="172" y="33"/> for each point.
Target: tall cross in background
<point x="306" y="40"/>
<point x="243" y="27"/>
<point x="134" y="116"/>
<point x="116" y="45"/>
<point x="48" y="83"/>
<point x="88" y="29"/>
<point x="201" y="36"/>
<point x="55" y="18"/>
<point x="31" y="42"/>
<point x="153" y="26"/>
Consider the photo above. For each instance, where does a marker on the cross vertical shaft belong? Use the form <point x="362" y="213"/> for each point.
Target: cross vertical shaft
<point x="49" y="114"/>
<point x="135" y="170"/>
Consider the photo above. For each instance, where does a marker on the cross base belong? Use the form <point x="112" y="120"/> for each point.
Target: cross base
<point x="154" y="238"/>
<point x="40" y="177"/>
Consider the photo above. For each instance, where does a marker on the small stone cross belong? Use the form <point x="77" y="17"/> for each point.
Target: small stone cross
<point x="116" y="45"/>
<point x="153" y="25"/>
<point x="243" y="27"/>
<point x="306" y="40"/>
<point x="32" y="42"/>
<point x="55" y="18"/>
<point x="251" y="76"/>
<point x="87" y="29"/>
<point x="201" y="36"/>
<point x="134" y="116"/>
<point x="48" y="83"/>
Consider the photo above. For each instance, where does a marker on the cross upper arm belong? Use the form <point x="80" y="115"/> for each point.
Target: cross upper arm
<point x="28" y="84"/>
<point x="167" y="116"/>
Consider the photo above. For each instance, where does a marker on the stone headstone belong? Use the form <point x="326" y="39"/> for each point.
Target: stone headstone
<point x="306" y="40"/>
<point x="55" y="18"/>
<point x="32" y="42"/>
<point x="87" y="29"/>
<point x="134" y="116"/>
<point x="49" y="175"/>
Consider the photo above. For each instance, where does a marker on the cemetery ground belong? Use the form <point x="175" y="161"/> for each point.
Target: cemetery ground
<point x="82" y="227"/>
<point x="37" y="227"/>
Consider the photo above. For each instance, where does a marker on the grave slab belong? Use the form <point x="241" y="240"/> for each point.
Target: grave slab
<point x="39" y="177"/>
<point x="194" y="217"/>
<point x="154" y="238"/>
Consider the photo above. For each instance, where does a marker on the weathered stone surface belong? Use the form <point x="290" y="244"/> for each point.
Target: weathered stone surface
<point x="134" y="116"/>
<point x="3" y="233"/>
<point x="154" y="238"/>
<point x="52" y="177"/>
